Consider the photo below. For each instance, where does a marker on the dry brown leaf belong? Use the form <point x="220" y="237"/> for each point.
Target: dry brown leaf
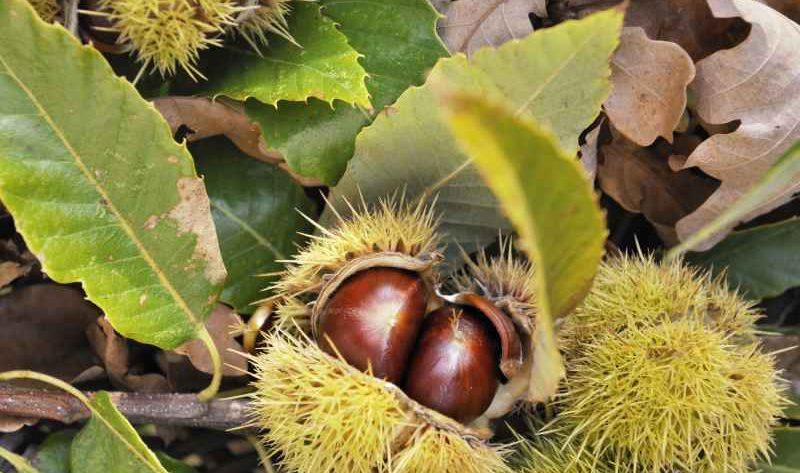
<point x="589" y="149"/>
<point x="43" y="330"/>
<point x="204" y="118"/>
<point x="641" y="181"/>
<point x="788" y="360"/>
<point x="790" y="8"/>
<point x="113" y="351"/>
<point x="219" y="324"/>
<point x="472" y="24"/>
<point x="757" y="83"/>
<point x="650" y="80"/>
<point x="10" y="271"/>
<point x="688" y="23"/>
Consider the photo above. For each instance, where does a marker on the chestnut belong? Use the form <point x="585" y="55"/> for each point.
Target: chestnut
<point x="455" y="366"/>
<point x="373" y="320"/>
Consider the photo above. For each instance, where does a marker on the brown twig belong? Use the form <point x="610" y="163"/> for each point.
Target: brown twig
<point x="139" y="408"/>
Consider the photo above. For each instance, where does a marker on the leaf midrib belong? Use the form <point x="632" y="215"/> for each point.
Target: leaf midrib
<point x="96" y="413"/>
<point x="110" y="205"/>
<point x="426" y="193"/>
<point x="258" y="237"/>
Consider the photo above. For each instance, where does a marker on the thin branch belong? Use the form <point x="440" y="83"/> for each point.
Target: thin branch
<point x="140" y="408"/>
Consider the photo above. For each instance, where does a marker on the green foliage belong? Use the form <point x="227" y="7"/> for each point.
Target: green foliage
<point x="108" y="200"/>
<point x="772" y="184"/>
<point x="558" y="76"/>
<point x="109" y="442"/>
<point x="53" y="454"/>
<point x="761" y="262"/>
<point x="320" y="64"/>
<point x="398" y="43"/>
<point x="172" y="465"/>
<point x="786" y="457"/>
<point x="545" y="194"/>
<point x="255" y="208"/>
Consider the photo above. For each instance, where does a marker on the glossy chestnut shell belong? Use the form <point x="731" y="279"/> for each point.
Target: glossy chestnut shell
<point x="373" y="319"/>
<point x="454" y="368"/>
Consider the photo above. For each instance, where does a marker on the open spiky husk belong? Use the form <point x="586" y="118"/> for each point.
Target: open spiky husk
<point x="48" y="10"/>
<point x="634" y="290"/>
<point x="431" y="450"/>
<point x="552" y="453"/>
<point x="391" y="226"/>
<point x="322" y="415"/>
<point x="664" y="373"/>
<point x="674" y="395"/>
<point x="259" y="17"/>
<point x="169" y="34"/>
<point x="404" y="233"/>
<point x="507" y="280"/>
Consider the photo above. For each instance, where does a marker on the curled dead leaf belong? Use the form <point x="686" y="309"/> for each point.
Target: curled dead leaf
<point x="588" y="150"/>
<point x="10" y="271"/>
<point x="199" y="118"/>
<point x="641" y="181"/>
<point x="113" y="350"/>
<point x="757" y="84"/>
<point x="203" y="118"/>
<point x="469" y="25"/>
<point x="650" y="80"/>
<point x="220" y="325"/>
<point x="43" y="329"/>
<point x="688" y="23"/>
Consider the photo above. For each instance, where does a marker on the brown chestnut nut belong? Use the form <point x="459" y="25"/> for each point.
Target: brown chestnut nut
<point x="373" y="320"/>
<point x="454" y="367"/>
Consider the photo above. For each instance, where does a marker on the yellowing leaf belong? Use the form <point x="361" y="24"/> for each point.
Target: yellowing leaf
<point x="784" y="174"/>
<point x="17" y="461"/>
<point x="545" y="194"/>
<point x="98" y="187"/>
<point x="650" y="80"/>
<point x="557" y="75"/>
<point x="755" y="83"/>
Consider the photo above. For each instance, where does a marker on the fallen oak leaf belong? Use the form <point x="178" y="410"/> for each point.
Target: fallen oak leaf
<point x="756" y="83"/>
<point x="469" y="25"/>
<point x="650" y="80"/>
<point x="641" y="181"/>
<point x="589" y="150"/>
<point x="688" y="23"/>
